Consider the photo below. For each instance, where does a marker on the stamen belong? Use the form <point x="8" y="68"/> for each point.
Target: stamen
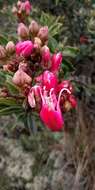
<point x="42" y="97"/>
<point x="52" y="89"/>
<point x="63" y="89"/>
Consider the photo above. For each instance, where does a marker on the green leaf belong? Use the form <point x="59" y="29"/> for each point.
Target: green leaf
<point x="31" y="123"/>
<point x="13" y="89"/>
<point x="67" y="65"/>
<point x="52" y="22"/>
<point x="57" y="136"/>
<point x="2" y="78"/>
<point x="8" y="101"/>
<point x="10" y="110"/>
<point x="53" y="44"/>
<point x="3" y="40"/>
<point x="70" y="51"/>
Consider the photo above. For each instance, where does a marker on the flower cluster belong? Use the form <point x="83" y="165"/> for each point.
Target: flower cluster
<point x="36" y="73"/>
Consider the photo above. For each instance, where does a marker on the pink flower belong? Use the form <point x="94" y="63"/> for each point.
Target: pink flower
<point x="24" y="48"/>
<point x="33" y="95"/>
<point x="56" y="62"/>
<point x="50" y="113"/>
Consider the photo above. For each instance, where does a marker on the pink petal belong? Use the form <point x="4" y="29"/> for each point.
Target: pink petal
<point x="52" y="119"/>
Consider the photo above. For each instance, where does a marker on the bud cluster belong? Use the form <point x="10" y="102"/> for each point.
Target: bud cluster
<point x="36" y="73"/>
<point x="22" y="9"/>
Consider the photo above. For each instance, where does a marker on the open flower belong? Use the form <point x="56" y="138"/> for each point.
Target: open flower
<point x="50" y="113"/>
<point x="24" y="48"/>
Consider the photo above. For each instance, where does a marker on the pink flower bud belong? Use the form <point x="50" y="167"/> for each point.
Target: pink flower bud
<point x="23" y="66"/>
<point x="56" y="62"/>
<point x="43" y="33"/>
<point x="10" y="47"/>
<point x="45" y="57"/>
<point x="2" y="52"/>
<point x="37" y="41"/>
<point x="34" y="28"/>
<point x="22" y="31"/>
<point x="19" y="3"/>
<point x="49" y="80"/>
<point x="21" y="78"/>
<point x="37" y="44"/>
<point x="24" y="7"/>
<point x="27" y="7"/>
<point x="24" y="48"/>
<point x="34" y="96"/>
<point x="14" y="10"/>
<point x="73" y="101"/>
<point x="45" y="54"/>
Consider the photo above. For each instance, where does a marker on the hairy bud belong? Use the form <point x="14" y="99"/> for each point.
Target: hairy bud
<point x="37" y="44"/>
<point x="21" y="78"/>
<point x="45" y="57"/>
<point x="10" y="47"/>
<point x="34" y="28"/>
<point x="22" y="31"/>
<point x="43" y="33"/>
